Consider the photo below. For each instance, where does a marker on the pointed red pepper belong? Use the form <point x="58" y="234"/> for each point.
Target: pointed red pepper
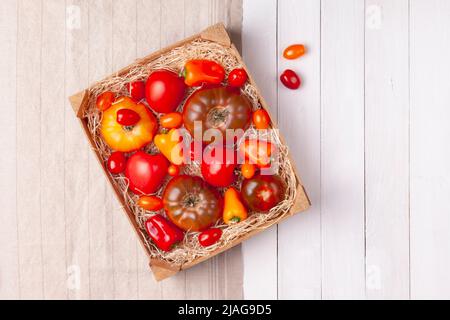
<point x="163" y="232"/>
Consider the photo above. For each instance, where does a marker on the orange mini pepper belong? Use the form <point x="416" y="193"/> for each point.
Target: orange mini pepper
<point x="234" y="210"/>
<point x="150" y="203"/>
<point x="198" y="72"/>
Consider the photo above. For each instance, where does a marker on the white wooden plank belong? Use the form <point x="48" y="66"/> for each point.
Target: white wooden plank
<point x="9" y="269"/>
<point x="387" y="149"/>
<point x="259" y="48"/>
<point x="430" y="150"/>
<point x="76" y="155"/>
<point x="148" y="40"/>
<point x="100" y="193"/>
<point x="299" y="241"/>
<point x="52" y="149"/>
<point x="172" y="30"/>
<point x="125" y="243"/>
<point x="342" y="149"/>
<point x="28" y="148"/>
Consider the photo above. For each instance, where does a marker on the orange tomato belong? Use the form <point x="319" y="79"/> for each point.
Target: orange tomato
<point x="128" y="138"/>
<point x="294" y="51"/>
<point x="150" y="203"/>
<point x="248" y="170"/>
<point x="105" y="100"/>
<point x="173" y="170"/>
<point x="261" y="119"/>
<point x="171" y="120"/>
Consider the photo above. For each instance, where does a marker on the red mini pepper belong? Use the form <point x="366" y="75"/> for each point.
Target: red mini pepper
<point x="163" y="232"/>
<point x="198" y="72"/>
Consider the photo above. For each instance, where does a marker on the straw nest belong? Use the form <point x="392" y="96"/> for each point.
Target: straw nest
<point x="174" y="60"/>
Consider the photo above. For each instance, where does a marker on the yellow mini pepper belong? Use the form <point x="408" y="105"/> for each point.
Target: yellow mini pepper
<point x="170" y="145"/>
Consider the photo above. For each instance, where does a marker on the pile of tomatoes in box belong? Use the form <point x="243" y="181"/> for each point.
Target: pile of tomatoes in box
<point x="227" y="190"/>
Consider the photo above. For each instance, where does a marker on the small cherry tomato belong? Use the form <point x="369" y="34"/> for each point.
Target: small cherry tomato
<point x="116" y="162"/>
<point x="150" y="203"/>
<point x="248" y="170"/>
<point x="105" y="100"/>
<point x="171" y="120"/>
<point x="261" y="119"/>
<point x="173" y="170"/>
<point x="237" y="78"/>
<point x="290" y="79"/>
<point x="136" y="90"/>
<point x="127" y="117"/>
<point x="209" y="237"/>
<point x="294" y="51"/>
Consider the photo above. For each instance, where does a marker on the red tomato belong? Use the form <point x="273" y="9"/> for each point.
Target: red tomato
<point x="127" y="117"/>
<point x="237" y="78"/>
<point x="105" y="100"/>
<point x="116" y="162"/>
<point x="261" y="193"/>
<point x="261" y="119"/>
<point x="218" y="165"/>
<point x="164" y="91"/>
<point x="294" y="51"/>
<point x="146" y="172"/>
<point x="173" y="170"/>
<point x="136" y="90"/>
<point x="290" y="79"/>
<point x="209" y="237"/>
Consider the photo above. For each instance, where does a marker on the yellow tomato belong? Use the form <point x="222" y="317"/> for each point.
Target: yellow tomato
<point x="128" y="138"/>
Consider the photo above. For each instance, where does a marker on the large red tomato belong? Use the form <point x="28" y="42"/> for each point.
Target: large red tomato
<point x="164" y="91"/>
<point x="218" y="164"/>
<point x="146" y="172"/>
<point x="261" y="193"/>
<point x="191" y="203"/>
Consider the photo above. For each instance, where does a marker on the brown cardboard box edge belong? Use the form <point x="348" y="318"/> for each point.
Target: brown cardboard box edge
<point x="162" y="269"/>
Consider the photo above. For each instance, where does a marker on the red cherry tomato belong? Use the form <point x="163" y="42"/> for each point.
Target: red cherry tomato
<point x="173" y="170"/>
<point x="136" y="90"/>
<point x="127" y="117"/>
<point x="116" y="162"/>
<point x="105" y="100"/>
<point x="294" y="51"/>
<point x="218" y="165"/>
<point x="209" y="237"/>
<point x="261" y="119"/>
<point x="164" y="91"/>
<point x="290" y="79"/>
<point x="237" y="78"/>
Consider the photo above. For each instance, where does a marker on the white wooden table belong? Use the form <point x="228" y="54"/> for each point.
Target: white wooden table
<point x="368" y="130"/>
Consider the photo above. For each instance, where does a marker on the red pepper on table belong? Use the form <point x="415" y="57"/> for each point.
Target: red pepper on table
<point x="198" y="72"/>
<point x="163" y="232"/>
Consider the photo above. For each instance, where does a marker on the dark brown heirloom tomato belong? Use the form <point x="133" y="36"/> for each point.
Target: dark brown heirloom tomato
<point x="219" y="108"/>
<point x="191" y="203"/>
<point x="262" y="192"/>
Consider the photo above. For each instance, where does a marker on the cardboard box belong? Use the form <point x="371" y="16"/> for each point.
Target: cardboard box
<point x="162" y="269"/>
